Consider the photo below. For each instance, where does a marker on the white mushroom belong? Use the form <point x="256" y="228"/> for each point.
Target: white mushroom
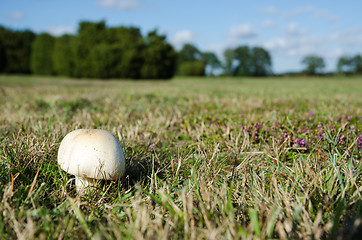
<point x="89" y="155"/>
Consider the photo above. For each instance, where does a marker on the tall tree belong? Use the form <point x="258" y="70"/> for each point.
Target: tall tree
<point x="15" y="50"/>
<point x="42" y="55"/>
<point x="104" y="59"/>
<point x="211" y="61"/>
<point x="313" y="64"/>
<point x="261" y="62"/>
<point x="243" y="56"/>
<point x="345" y="65"/>
<point x="190" y="61"/>
<point x="2" y="56"/>
<point x="127" y="45"/>
<point x="89" y="35"/>
<point x="229" y="56"/>
<point x="189" y="53"/>
<point x="350" y="65"/>
<point x="159" y="57"/>
<point x="246" y="61"/>
<point x="357" y="63"/>
<point x="64" y="55"/>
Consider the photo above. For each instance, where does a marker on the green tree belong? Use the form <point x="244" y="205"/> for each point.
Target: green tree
<point x="313" y="64"/>
<point x="350" y="65"/>
<point x="42" y="54"/>
<point x="104" y="58"/>
<point x="229" y="60"/>
<point x="127" y="44"/>
<point x="246" y="61"/>
<point x="89" y="36"/>
<point x="211" y="61"/>
<point x="345" y="65"/>
<point x="64" y="55"/>
<point x="243" y="56"/>
<point x="189" y="53"/>
<point x="190" y="61"/>
<point x="15" y="50"/>
<point x="357" y="63"/>
<point x="261" y="62"/>
<point x="159" y="57"/>
<point x="2" y="56"/>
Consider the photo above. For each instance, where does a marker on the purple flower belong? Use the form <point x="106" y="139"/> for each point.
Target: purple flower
<point x="150" y="145"/>
<point x="348" y="118"/>
<point x="359" y="142"/>
<point x="301" y="142"/>
<point x="284" y="134"/>
<point x="319" y="136"/>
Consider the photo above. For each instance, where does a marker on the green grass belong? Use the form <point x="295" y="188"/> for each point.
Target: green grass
<point x="206" y="158"/>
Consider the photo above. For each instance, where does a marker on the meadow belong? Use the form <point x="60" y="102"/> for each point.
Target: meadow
<point x="207" y="158"/>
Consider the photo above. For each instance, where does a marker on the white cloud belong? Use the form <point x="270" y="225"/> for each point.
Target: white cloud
<point x="239" y="32"/>
<point x="336" y="53"/>
<point x="276" y="44"/>
<point x="299" y="11"/>
<point x="218" y="49"/>
<point x="319" y="13"/>
<point x="58" y="31"/>
<point x="313" y="12"/>
<point x="182" y="37"/>
<point x="16" y="15"/>
<point x="333" y="18"/>
<point x="294" y="46"/>
<point x="349" y="38"/>
<point x="293" y="30"/>
<point x="120" y="4"/>
<point x="270" y="10"/>
<point x="268" y="23"/>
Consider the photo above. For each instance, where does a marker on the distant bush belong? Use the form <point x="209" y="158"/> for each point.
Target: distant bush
<point x="191" y="68"/>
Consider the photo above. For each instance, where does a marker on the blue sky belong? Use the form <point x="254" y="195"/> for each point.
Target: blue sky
<point x="288" y="29"/>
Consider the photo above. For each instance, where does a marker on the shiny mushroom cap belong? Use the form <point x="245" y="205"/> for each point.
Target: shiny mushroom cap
<point x="91" y="154"/>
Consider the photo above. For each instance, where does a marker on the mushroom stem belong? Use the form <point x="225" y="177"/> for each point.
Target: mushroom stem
<point x="82" y="183"/>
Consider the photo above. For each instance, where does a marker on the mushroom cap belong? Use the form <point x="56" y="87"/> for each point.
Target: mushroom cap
<point x="91" y="153"/>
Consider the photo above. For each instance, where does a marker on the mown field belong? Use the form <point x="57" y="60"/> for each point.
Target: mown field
<point x="206" y="158"/>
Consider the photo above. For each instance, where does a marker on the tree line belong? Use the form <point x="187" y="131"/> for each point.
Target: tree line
<point x="98" y="51"/>
<point x="101" y="52"/>
<point x="315" y="65"/>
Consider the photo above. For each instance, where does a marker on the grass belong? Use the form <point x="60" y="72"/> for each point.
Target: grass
<point x="206" y="158"/>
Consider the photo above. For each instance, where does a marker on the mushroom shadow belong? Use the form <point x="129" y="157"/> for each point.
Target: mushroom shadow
<point x="139" y="166"/>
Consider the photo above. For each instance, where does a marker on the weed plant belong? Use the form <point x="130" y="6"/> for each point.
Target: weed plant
<point x="206" y="158"/>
